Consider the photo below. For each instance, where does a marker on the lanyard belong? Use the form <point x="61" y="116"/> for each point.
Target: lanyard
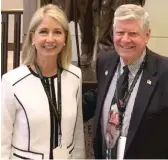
<point x="122" y="107"/>
<point x="56" y="111"/>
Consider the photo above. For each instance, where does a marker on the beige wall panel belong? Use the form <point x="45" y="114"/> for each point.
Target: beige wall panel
<point x="12" y="4"/>
<point x="158" y="12"/>
<point x="11" y="29"/>
<point x="159" y="45"/>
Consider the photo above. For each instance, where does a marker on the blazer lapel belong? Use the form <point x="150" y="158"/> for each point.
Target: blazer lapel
<point x="108" y="72"/>
<point x="147" y="85"/>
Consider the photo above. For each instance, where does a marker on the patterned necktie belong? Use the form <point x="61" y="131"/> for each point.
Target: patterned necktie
<point x="113" y="129"/>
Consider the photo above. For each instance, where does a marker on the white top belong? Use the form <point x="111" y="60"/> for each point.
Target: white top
<point x="26" y="128"/>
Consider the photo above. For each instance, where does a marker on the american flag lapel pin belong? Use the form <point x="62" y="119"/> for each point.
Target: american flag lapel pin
<point x="149" y="82"/>
<point x="106" y="72"/>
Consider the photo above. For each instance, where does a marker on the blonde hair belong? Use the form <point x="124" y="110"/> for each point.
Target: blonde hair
<point x="29" y="50"/>
<point x="132" y="11"/>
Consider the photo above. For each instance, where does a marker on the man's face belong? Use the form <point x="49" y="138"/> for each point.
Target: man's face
<point x="129" y="39"/>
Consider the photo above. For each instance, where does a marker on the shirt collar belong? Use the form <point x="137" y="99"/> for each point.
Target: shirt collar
<point x="133" y="67"/>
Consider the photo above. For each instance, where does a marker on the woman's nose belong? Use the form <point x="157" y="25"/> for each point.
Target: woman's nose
<point x="50" y="37"/>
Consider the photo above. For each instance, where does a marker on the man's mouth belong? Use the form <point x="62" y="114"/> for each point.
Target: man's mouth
<point x="126" y="47"/>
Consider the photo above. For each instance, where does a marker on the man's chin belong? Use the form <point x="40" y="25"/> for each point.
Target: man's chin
<point x="124" y="55"/>
<point x="126" y="58"/>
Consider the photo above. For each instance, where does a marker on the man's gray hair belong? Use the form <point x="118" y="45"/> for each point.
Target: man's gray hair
<point x="132" y="11"/>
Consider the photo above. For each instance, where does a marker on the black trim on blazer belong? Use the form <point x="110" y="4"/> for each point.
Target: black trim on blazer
<point x="71" y="150"/>
<point x="36" y="75"/>
<point x="77" y="110"/>
<point x="77" y="94"/>
<point x="70" y="145"/>
<point x="21" y="79"/>
<point x="75" y="124"/>
<point x="28" y="151"/>
<point x="16" y="155"/>
<point x="76" y="118"/>
<point x="27" y="122"/>
<point x="71" y="73"/>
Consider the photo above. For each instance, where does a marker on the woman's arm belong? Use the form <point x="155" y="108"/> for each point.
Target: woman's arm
<point x="8" y="111"/>
<point x="79" y="149"/>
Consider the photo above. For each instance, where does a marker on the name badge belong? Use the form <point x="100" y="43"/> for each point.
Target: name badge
<point x="121" y="147"/>
<point x="61" y="152"/>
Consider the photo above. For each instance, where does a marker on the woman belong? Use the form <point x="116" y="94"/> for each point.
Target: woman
<point x="41" y="99"/>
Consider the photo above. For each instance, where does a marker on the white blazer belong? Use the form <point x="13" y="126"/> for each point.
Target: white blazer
<point x="25" y="115"/>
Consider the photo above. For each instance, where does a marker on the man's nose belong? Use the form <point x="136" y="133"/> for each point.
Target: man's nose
<point x="126" y="38"/>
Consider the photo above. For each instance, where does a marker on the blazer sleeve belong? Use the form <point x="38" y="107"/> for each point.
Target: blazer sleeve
<point x="79" y="148"/>
<point x="8" y="111"/>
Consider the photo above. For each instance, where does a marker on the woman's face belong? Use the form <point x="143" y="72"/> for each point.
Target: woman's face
<point x="49" y="37"/>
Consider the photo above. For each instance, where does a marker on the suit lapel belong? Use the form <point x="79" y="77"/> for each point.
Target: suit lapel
<point x="110" y="69"/>
<point x="108" y="72"/>
<point x="146" y="88"/>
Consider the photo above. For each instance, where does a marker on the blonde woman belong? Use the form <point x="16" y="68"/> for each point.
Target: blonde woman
<point x="41" y="99"/>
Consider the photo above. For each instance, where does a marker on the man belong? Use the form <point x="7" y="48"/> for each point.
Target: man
<point x="139" y="118"/>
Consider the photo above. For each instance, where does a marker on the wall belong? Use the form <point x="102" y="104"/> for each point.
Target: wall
<point x="158" y="13"/>
<point x="11" y="4"/>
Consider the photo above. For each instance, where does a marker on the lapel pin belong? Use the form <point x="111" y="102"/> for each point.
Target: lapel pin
<point x="106" y="72"/>
<point x="149" y="82"/>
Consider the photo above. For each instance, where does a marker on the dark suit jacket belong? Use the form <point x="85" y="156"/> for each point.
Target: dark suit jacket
<point x="148" y="131"/>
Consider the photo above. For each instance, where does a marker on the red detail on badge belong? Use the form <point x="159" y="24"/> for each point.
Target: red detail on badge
<point x="113" y="118"/>
<point x="121" y="102"/>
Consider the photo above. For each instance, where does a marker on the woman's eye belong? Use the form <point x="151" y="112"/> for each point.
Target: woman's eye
<point x="43" y="32"/>
<point x="58" y="32"/>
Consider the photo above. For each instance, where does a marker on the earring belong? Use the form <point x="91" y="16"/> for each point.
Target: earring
<point x="64" y="44"/>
